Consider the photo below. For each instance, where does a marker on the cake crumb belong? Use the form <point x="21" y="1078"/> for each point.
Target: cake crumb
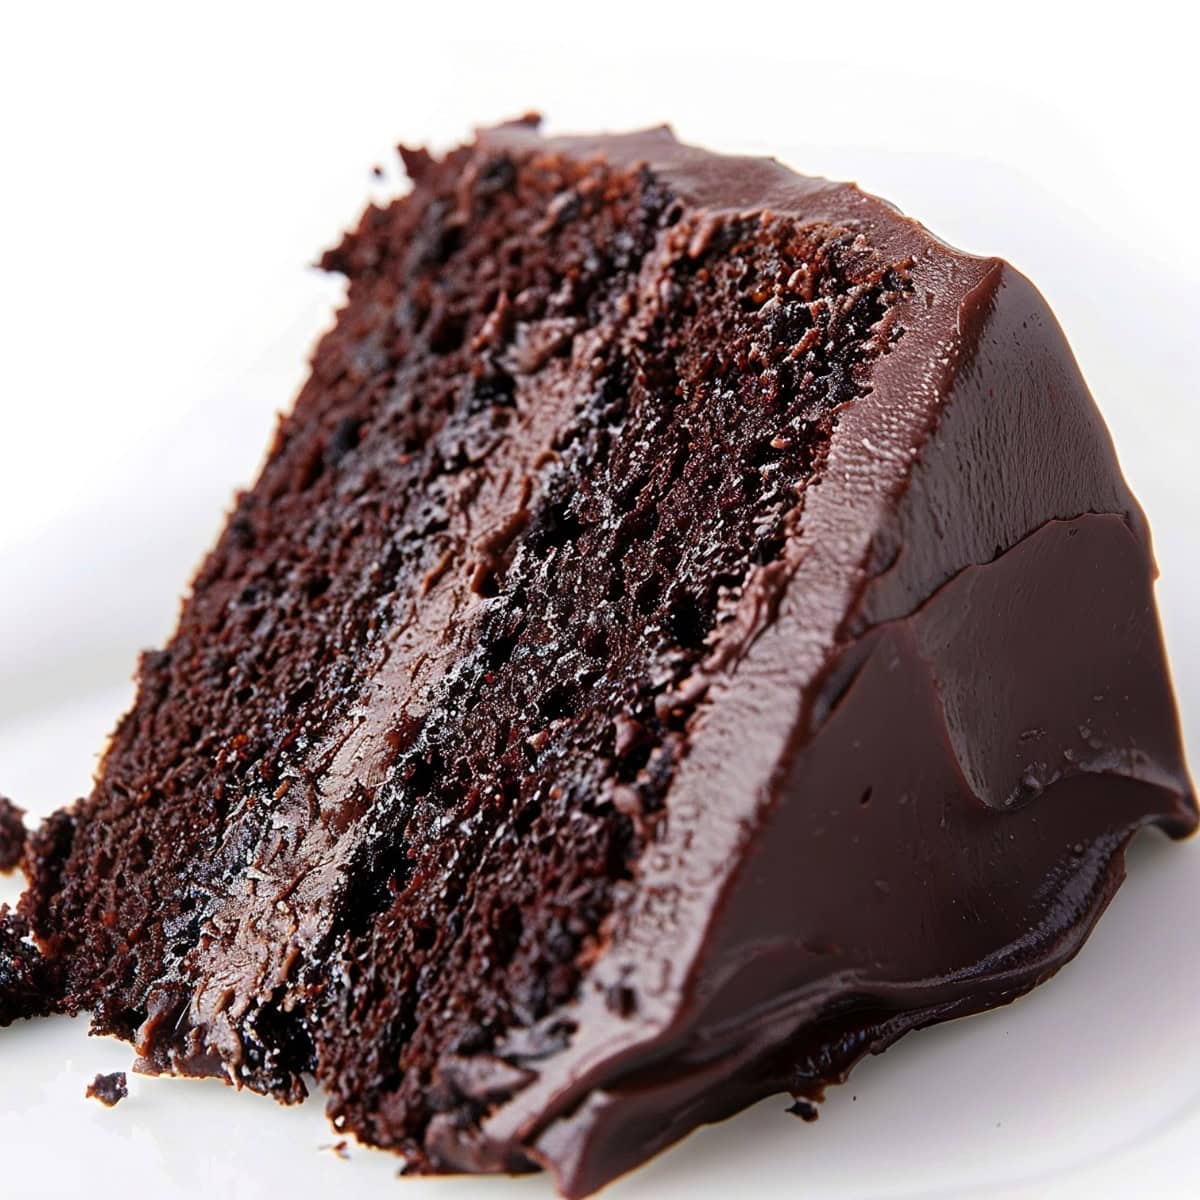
<point x="108" y="1089"/>
<point x="12" y="834"/>
<point x="806" y="1110"/>
<point x="338" y="1148"/>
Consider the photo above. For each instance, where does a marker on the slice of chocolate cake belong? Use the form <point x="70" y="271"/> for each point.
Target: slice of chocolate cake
<point x="691" y="630"/>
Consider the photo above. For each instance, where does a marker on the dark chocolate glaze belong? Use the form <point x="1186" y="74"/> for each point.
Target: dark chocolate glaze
<point x="881" y="776"/>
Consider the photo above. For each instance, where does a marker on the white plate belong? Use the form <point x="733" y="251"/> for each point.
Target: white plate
<point x="190" y="322"/>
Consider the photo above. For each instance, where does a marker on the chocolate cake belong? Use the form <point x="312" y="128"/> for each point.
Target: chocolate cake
<point x="691" y="630"/>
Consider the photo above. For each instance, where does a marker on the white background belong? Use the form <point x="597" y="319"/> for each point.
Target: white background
<point x="167" y="171"/>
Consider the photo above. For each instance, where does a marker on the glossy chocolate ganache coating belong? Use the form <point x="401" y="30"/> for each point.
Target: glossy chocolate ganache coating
<point x="691" y="630"/>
